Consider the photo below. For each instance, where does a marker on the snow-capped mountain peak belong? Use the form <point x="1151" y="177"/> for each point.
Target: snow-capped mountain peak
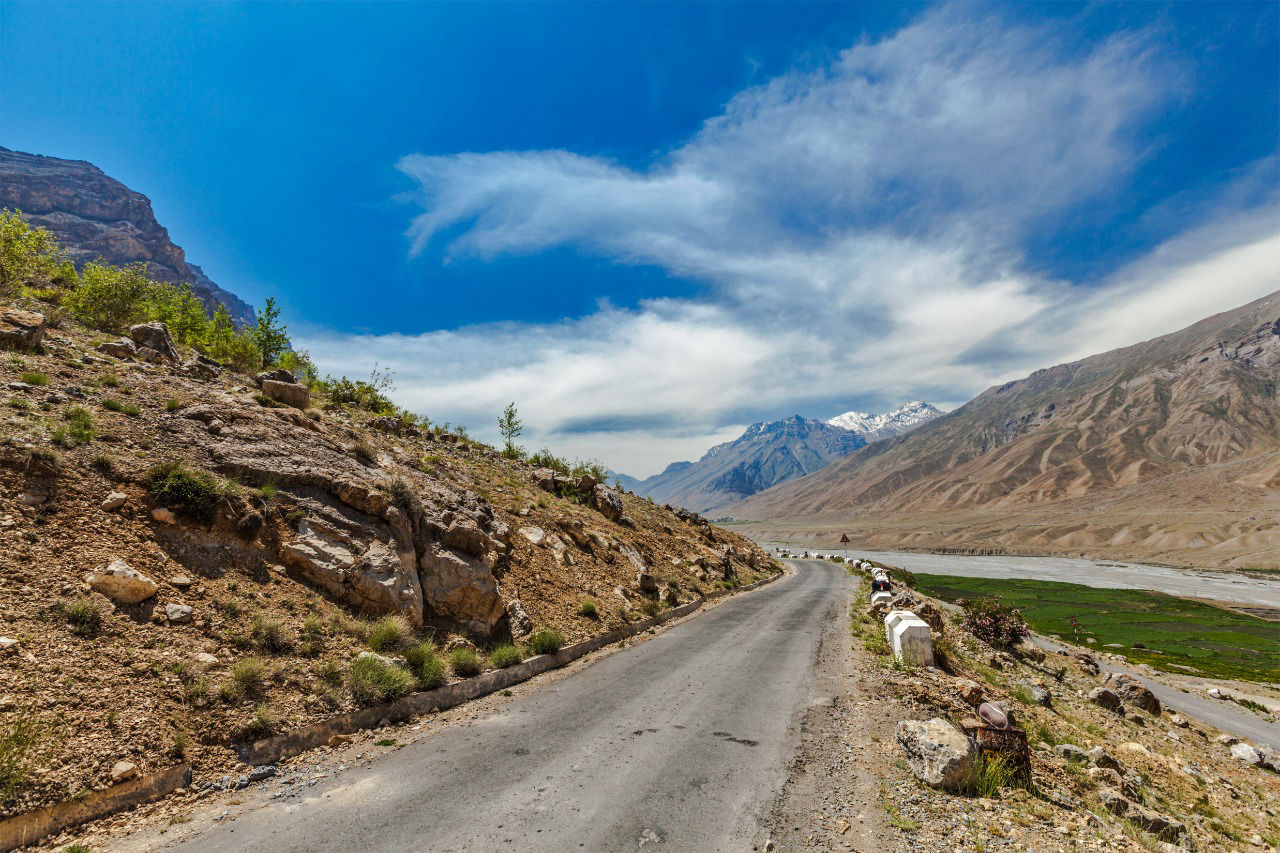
<point x="872" y="427"/>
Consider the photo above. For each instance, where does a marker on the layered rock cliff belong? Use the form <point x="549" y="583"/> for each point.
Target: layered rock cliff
<point x="97" y="217"/>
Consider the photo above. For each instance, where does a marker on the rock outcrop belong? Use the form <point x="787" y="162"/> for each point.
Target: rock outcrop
<point x="938" y="753"/>
<point x="21" y="330"/>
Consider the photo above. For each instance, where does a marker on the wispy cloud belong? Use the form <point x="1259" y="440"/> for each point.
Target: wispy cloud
<point x="861" y="229"/>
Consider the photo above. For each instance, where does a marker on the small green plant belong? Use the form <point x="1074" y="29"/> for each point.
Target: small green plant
<point x="992" y="774"/>
<point x="35" y="379"/>
<point x="109" y="380"/>
<point x="79" y="424"/>
<point x="465" y="662"/>
<point x="114" y="405"/>
<point x="389" y="632"/>
<point x="260" y="724"/>
<point x="248" y="678"/>
<point x="178" y="749"/>
<point x="23" y="741"/>
<point x="426" y="663"/>
<point x="172" y="404"/>
<point x="385" y="741"/>
<point x="587" y="610"/>
<point x="366" y="454"/>
<point x="270" y="635"/>
<point x="372" y="681"/>
<point x="195" y="494"/>
<point x="84" y="615"/>
<point x="651" y="608"/>
<point x="268" y="491"/>
<point x="505" y="656"/>
<point x="545" y="642"/>
<point x="197" y="690"/>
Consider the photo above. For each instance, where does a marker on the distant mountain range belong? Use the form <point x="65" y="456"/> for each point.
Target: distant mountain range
<point x="769" y="453"/>
<point x="96" y="217"/>
<point x="1167" y="450"/>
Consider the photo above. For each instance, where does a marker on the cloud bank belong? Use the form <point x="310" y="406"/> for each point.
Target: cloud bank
<point x="861" y="229"/>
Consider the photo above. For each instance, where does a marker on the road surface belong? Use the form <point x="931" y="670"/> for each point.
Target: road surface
<point x="680" y="741"/>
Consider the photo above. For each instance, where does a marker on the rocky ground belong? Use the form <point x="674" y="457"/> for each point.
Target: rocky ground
<point x="150" y="620"/>
<point x="1110" y="767"/>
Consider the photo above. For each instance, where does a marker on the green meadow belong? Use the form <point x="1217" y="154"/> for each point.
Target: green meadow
<point x="1179" y="635"/>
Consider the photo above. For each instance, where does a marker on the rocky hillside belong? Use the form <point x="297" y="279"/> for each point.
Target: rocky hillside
<point x="95" y="217"/>
<point x="1166" y="449"/>
<point x="198" y="558"/>
<point x="773" y="452"/>
<point x="1094" y="760"/>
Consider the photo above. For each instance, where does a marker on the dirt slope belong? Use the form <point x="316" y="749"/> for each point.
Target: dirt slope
<point x="323" y="522"/>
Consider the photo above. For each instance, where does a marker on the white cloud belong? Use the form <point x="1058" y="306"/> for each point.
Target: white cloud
<point x="859" y="226"/>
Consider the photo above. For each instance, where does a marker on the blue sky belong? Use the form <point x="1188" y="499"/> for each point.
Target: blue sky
<point x="652" y="224"/>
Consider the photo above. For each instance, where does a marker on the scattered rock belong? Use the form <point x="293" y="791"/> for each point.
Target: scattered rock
<point x="289" y="393"/>
<point x="123" y="770"/>
<point x="204" y="660"/>
<point x="180" y="581"/>
<point x="608" y="502"/>
<point x="114" y="501"/>
<point x="8" y="646"/>
<point x="21" y="329"/>
<point x="1178" y="721"/>
<point x="265" y="771"/>
<point x="121" y="583"/>
<point x="155" y="337"/>
<point x="164" y="515"/>
<point x="970" y="691"/>
<point x="1246" y="753"/>
<point x="1106" y="698"/>
<point x="1135" y="693"/>
<point x="536" y="535"/>
<point x="279" y="374"/>
<point x="1038" y="694"/>
<point x="1227" y="740"/>
<point x="1071" y="752"/>
<point x="122" y="348"/>
<point x="177" y="614"/>
<point x="646" y="582"/>
<point x="521" y="624"/>
<point x="1099" y="757"/>
<point x="939" y="753"/>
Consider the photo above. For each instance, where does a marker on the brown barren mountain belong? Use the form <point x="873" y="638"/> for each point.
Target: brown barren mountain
<point x="1166" y="450"/>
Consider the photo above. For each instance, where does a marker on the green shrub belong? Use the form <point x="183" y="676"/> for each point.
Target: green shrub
<point x="79" y="424"/>
<point x="35" y="378"/>
<point x="23" y="741"/>
<point x="372" y="681"/>
<point x="545" y="642"/>
<point x="426" y="663"/>
<point x="84" y="615"/>
<point x="505" y="656"/>
<point x="172" y="404"/>
<point x="270" y="635"/>
<point x="260" y="724"/>
<point x="248" y="678"/>
<point x="110" y="298"/>
<point x="195" y="494"/>
<point x="651" y="608"/>
<point x="28" y="255"/>
<point x="588" y="609"/>
<point x="465" y="662"/>
<point x="389" y="632"/>
<point x="117" y="406"/>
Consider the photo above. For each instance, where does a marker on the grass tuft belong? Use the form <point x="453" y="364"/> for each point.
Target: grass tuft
<point x="85" y="615"/>
<point x="545" y="642"/>
<point x="389" y="632"/>
<point x="465" y="662"/>
<point x="373" y="681"/>
<point x="505" y="656"/>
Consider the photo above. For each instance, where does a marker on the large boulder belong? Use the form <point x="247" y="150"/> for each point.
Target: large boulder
<point x="21" y="329"/>
<point x="122" y="583"/>
<point x="1037" y="694"/>
<point x="607" y="501"/>
<point x="1246" y="753"/>
<point x="278" y="374"/>
<point x="121" y="348"/>
<point x="1106" y="698"/>
<point x="1134" y="692"/>
<point x="939" y="753"/>
<point x="155" y="337"/>
<point x="462" y="590"/>
<point x="289" y="393"/>
<point x="376" y="579"/>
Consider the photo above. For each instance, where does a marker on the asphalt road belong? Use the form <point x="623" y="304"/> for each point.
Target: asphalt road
<point x="680" y="742"/>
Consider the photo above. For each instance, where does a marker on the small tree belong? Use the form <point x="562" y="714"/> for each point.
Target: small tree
<point x="111" y="298"/>
<point x="28" y="256"/>
<point x="270" y="334"/>
<point x="510" y="426"/>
